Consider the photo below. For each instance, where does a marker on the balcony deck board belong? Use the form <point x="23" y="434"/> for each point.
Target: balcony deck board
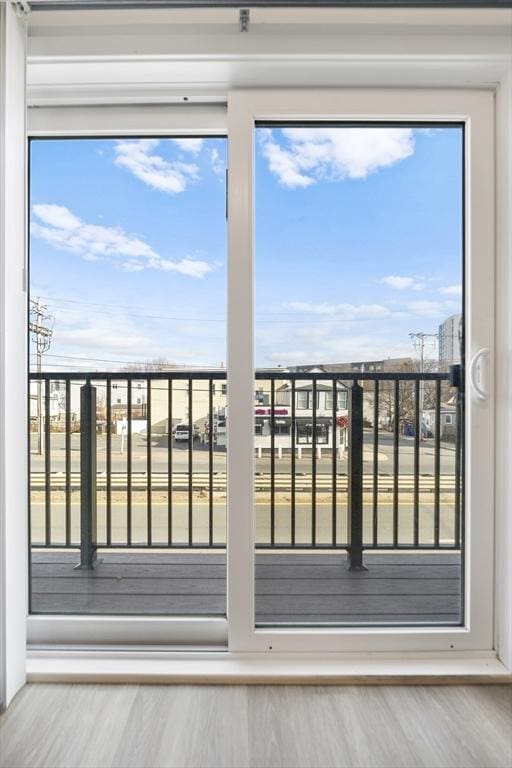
<point x="304" y="588"/>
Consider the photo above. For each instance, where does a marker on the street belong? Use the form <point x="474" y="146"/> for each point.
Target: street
<point x="282" y="518"/>
<point x="200" y="457"/>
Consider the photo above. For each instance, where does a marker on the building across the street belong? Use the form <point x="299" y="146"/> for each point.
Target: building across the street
<point x="389" y="364"/>
<point x="449" y="344"/>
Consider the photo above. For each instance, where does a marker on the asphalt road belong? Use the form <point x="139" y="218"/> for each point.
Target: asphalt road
<point x="159" y="456"/>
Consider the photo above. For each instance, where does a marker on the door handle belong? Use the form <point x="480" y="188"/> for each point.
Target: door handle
<point x="477" y="373"/>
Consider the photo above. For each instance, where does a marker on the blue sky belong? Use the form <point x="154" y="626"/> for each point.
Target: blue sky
<point x="357" y="243"/>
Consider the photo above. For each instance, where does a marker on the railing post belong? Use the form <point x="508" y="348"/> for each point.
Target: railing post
<point x="88" y="559"/>
<point x="355" y="479"/>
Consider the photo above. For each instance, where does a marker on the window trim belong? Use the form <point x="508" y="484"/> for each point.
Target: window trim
<point x="114" y="121"/>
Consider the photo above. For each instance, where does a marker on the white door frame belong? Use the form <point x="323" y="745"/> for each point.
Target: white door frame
<point x="13" y="366"/>
<point x="476" y="110"/>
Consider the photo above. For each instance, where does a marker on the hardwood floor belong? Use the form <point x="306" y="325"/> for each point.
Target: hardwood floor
<point x="298" y="588"/>
<point x="130" y="726"/>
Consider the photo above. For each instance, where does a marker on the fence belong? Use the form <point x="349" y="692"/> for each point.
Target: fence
<point x="347" y="461"/>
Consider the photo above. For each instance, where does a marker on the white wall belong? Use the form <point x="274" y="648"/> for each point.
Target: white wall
<point x="377" y="48"/>
<point x="13" y="344"/>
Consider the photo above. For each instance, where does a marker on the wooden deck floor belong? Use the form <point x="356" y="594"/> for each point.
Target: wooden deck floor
<point x="298" y="588"/>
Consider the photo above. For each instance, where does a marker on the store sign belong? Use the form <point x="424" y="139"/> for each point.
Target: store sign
<point x="268" y="411"/>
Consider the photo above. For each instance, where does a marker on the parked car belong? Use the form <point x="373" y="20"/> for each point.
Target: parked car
<point x="181" y="433"/>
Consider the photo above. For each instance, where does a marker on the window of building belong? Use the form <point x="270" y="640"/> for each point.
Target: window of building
<point x="303" y="400"/>
<point x="305" y="433"/>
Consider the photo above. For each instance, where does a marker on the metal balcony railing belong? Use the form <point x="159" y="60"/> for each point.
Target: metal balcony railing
<point x="348" y="461"/>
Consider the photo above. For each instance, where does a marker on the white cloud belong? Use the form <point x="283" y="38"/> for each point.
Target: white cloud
<point x="106" y="336"/>
<point x="451" y="290"/>
<point x="428" y="308"/>
<point x="218" y="165"/>
<point x="133" y="266"/>
<point x="284" y="163"/>
<point x="346" y="312"/>
<point x="84" y="332"/>
<point x="139" y="158"/>
<point x="190" y="145"/>
<point x="188" y="267"/>
<point x="337" y="349"/>
<point x="401" y="282"/>
<point x="57" y="216"/>
<point x="79" y="331"/>
<point x="65" y="231"/>
<point x="309" y="154"/>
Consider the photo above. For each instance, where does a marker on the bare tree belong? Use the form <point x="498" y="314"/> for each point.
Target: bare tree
<point x="406" y="411"/>
<point x="158" y="364"/>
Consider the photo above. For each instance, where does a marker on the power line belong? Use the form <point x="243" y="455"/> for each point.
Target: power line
<point x="291" y="317"/>
<point x="169" y="366"/>
<point x="132" y="314"/>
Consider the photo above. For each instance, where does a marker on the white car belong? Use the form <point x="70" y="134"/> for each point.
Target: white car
<point x="181" y="433"/>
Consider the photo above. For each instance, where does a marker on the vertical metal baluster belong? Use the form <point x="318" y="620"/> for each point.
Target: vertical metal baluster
<point x="313" y="466"/>
<point x="417" y="435"/>
<point x="190" y="465"/>
<point x="437" y="463"/>
<point x="396" y="438"/>
<point x="88" y="477"/>
<point x="272" y="464"/>
<point x="169" y="462"/>
<point x="47" y="465"/>
<point x="292" y="463"/>
<point x="375" y="510"/>
<point x="210" y="462"/>
<point x="334" y="489"/>
<point x="149" y="489"/>
<point x="129" y="465"/>
<point x="109" y="461"/>
<point x="355" y="481"/>
<point x="67" y="451"/>
<point x="458" y="427"/>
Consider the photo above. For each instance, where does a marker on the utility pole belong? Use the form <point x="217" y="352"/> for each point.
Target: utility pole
<point x="418" y="339"/>
<point x="42" y="336"/>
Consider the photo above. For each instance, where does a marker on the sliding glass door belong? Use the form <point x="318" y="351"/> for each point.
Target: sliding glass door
<point x="359" y="332"/>
<point x="128" y="391"/>
<point x="363" y="232"/>
<point x="310" y="470"/>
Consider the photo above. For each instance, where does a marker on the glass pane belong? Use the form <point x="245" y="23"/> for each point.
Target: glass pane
<point x="128" y="381"/>
<point x="359" y="278"/>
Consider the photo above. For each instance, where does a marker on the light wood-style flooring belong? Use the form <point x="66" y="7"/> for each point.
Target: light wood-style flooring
<point x="130" y="726"/>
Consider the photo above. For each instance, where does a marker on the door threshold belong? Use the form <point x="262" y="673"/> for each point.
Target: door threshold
<point x="225" y="668"/>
